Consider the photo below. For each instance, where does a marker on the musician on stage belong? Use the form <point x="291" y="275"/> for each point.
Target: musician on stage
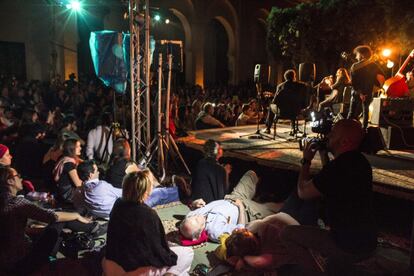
<point x="290" y="99"/>
<point x="337" y="87"/>
<point x="365" y="73"/>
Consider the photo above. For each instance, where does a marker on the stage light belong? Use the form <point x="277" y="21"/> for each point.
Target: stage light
<point x="157" y="17"/>
<point x="167" y="21"/>
<point x="390" y="64"/>
<point x="74" y="5"/>
<point x="386" y="52"/>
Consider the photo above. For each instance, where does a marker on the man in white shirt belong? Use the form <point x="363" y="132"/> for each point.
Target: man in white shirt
<point x="98" y="140"/>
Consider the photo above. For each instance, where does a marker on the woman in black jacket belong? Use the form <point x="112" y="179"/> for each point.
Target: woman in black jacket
<point x="136" y="238"/>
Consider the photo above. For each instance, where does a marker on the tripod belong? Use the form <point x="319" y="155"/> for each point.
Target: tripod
<point x="164" y="141"/>
<point x="257" y="134"/>
<point x="114" y="128"/>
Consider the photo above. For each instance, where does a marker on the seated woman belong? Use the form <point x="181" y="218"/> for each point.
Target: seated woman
<point x="18" y="255"/>
<point x="136" y="243"/>
<point x="65" y="174"/>
<point x="342" y="80"/>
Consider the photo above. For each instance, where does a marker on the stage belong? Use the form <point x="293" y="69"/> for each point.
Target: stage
<point x="393" y="171"/>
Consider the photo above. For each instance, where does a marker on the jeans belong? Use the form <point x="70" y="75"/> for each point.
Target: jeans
<point x="356" y="104"/>
<point x="162" y="195"/>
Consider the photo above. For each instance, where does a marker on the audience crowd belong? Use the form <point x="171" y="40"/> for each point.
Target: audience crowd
<point x="65" y="162"/>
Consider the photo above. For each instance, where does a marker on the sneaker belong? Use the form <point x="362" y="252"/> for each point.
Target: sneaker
<point x="182" y="185"/>
<point x="99" y="229"/>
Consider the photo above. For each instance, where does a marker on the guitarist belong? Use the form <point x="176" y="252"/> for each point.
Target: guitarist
<point x="365" y="73"/>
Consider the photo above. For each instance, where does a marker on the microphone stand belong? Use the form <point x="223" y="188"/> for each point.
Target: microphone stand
<point x="257" y="134"/>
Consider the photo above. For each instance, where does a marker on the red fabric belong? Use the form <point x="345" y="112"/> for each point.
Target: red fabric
<point x="28" y="185"/>
<point x="187" y="242"/>
<point x="3" y="150"/>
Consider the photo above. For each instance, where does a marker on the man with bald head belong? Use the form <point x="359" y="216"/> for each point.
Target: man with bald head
<point x="345" y="185"/>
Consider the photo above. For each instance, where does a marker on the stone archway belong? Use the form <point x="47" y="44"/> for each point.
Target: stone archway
<point x="188" y="54"/>
<point x="231" y="51"/>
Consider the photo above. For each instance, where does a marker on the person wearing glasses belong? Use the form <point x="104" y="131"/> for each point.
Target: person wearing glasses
<point x="19" y="255"/>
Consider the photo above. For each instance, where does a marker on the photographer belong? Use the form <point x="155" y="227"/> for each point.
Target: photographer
<point x="345" y="184"/>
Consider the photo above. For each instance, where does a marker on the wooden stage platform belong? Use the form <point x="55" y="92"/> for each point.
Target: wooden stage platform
<point x="393" y="171"/>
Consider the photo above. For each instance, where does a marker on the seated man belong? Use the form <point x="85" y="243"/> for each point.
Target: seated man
<point x="223" y="216"/>
<point x="290" y="98"/>
<point x="205" y="119"/>
<point x="211" y="179"/>
<point x="345" y="184"/>
<point x="99" y="196"/>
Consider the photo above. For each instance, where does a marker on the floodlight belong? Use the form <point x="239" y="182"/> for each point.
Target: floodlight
<point x="390" y="64"/>
<point x="74" y="5"/>
<point x="386" y="52"/>
<point x="157" y="17"/>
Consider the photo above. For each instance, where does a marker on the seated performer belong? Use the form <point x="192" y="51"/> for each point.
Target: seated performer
<point x="342" y="80"/>
<point x="223" y="216"/>
<point x="290" y="98"/>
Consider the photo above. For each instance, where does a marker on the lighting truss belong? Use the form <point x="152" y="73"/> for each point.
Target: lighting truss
<point x="140" y="80"/>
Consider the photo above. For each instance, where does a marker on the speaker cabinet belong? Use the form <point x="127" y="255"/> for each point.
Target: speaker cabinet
<point x="398" y="138"/>
<point x="261" y="73"/>
<point x="392" y="111"/>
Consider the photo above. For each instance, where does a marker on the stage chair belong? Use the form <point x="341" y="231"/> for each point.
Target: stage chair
<point x="276" y="111"/>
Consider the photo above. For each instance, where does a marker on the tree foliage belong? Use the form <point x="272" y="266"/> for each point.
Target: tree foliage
<point x="319" y="32"/>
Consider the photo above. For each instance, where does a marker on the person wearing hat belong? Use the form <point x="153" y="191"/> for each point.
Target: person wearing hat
<point x="5" y="156"/>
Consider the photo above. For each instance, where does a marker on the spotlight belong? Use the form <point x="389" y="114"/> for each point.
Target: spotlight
<point x="74" y="5"/>
<point x="390" y="64"/>
<point x="167" y="21"/>
<point x="386" y="52"/>
<point x="157" y="17"/>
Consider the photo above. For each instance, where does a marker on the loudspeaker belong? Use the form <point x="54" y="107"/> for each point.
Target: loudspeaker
<point x="389" y="111"/>
<point x="166" y="47"/>
<point x="261" y="74"/>
<point x="307" y="72"/>
<point x="398" y="138"/>
<point x="108" y="59"/>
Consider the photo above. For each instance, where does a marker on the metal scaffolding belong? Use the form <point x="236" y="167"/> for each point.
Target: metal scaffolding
<point x="139" y="23"/>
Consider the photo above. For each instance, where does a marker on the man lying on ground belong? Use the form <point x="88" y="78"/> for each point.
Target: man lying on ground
<point x="99" y="196"/>
<point x="223" y="216"/>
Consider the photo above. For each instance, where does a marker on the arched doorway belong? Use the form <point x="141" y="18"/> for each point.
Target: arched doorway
<point x="216" y="47"/>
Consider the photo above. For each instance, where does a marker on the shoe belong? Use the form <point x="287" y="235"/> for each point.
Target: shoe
<point x="267" y="131"/>
<point x="182" y="185"/>
<point x="99" y="229"/>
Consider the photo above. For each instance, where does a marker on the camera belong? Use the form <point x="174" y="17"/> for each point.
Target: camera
<point x="321" y="122"/>
<point x="319" y="143"/>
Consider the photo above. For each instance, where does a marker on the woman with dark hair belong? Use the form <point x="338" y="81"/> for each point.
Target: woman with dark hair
<point x="18" y="254"/>
<point x="65" y="174"/>
<point x="342" y="80"/>
<point x="136" y="240"/>
<point x="120" y="163"/>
